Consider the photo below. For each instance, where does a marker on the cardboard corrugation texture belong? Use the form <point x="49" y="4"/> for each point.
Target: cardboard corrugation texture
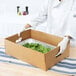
<point x="43" y="61"/>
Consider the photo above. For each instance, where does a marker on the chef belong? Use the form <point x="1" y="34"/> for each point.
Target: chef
<point x="61" y="21"/>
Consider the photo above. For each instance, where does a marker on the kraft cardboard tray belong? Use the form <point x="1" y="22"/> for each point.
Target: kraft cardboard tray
<point x="38" y="59"/>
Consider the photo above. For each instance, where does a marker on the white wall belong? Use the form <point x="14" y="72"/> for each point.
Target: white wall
<point x="10" y="22"/>
<point x="8" y="7"/>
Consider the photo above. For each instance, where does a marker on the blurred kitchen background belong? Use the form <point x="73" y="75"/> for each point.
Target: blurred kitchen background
<point x="10" y="22"/>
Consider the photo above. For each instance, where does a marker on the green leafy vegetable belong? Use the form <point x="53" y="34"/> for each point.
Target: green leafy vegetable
<point x="38" y="47"/>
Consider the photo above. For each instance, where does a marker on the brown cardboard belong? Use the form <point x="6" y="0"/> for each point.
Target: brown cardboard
<point x="43" y="61"/>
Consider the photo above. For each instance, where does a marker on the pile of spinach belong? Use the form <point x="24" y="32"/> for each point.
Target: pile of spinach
<point x="38" y="47"/>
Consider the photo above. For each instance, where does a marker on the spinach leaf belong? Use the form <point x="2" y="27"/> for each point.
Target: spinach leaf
<point x="38" y="47"/>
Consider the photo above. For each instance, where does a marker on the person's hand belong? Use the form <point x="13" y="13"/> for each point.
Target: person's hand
<point x="27" y="26"/>
<point x="20" y="38"/>
<point x="63" y="45"/>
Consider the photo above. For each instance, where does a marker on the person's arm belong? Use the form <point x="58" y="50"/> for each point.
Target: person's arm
<point x="70" y="34"/>
<point x="40" y="18"/>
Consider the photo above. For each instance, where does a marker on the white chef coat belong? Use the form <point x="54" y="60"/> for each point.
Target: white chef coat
<point x="60" y="16"/>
